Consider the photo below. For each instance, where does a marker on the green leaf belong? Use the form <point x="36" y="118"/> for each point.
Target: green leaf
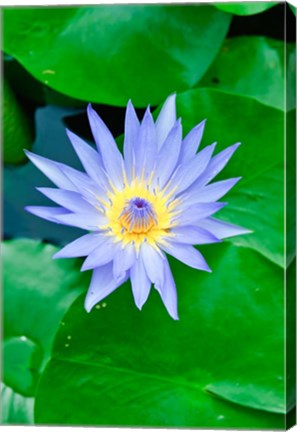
<point x="293" y="8"/>
<point x="128" y="367"/>
<point x="257" y="202"/>
<point x="27" y="87"/>
<point x="109" y="54"/>
<point x="290" y="148"/>
<point x="245" y="8"/>
<point x="290" y="348"/>
<point x="37" y="292"/>
<point x="17" y="127"/>
<point x="15" y="408"/>
<point x="22" y="358"/>
<point x="260" y="76"/>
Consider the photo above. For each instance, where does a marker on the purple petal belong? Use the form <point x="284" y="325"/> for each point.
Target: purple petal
<point x="193" y="235"/>
<point x="84" y="184"/>
<point x="153" y="264"/>
<point x="68" y="199"/>
<point x="215" y="166"/>
<point x="222" y="229"/>
<point x="140" y="283"/>
<point x="194" y="213"/>
<point x="90" y="159"/>
<point x="102" y="284"/>
<point x="48" y="213"/>
<point x="166" y="120"/>
<point x="102" y="254"/>
<point x="146" y="145"/>
<point x="130" y="138"/>
<point x="191" y="142"/>
<point x="186" y="254"/>
<point x="88" y="221"/>
<point x="124" y="259"/>
<point x="168" y="292"/>
<point x="212" y="192"/>
<point x="187" y="173"/>
<point x="80" y="247"/>
<point x="52" y="170"/>
<point x="169" y="154"/>
<point x="111" y="156"/>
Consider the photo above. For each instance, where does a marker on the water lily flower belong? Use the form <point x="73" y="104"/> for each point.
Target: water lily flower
<point x="154" y="200"/>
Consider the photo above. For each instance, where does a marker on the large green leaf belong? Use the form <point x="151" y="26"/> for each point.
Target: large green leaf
<point x="109" y="54"/>
<point x="120" y="366"/>
<point x="245" y="8"/>
<point x="37" y="292"/>
<point x="261" y="75"/>
<point x="257" y="202"/>
<point x="17" y="127"/>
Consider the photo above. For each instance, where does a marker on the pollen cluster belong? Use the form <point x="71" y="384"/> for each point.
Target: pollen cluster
<point x="139" y="213"/>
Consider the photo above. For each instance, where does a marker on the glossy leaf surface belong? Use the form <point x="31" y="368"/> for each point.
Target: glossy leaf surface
<point x="261" y="75"/>
<point x="111" y="53"/>
<point x="126" y="367"/>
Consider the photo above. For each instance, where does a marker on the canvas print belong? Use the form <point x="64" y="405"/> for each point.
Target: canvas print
<point x="149" y="215"/>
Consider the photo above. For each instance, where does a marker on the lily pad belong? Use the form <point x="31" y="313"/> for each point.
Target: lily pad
<point x="261" y="75"/>
<point x="37" y="292"/>
<point x="111" y="53"/>
<point x="30" y="89"/>
<point x="245" y="8"/>
<point x="124" y="367"/>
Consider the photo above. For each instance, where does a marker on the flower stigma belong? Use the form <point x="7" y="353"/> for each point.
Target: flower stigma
<point x="138" y="216"/>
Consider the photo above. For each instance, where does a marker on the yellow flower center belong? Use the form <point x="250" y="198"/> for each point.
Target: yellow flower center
<point x="139" y="212"/>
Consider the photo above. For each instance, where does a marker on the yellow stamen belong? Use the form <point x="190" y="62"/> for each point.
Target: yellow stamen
<point x="156" y="224"/>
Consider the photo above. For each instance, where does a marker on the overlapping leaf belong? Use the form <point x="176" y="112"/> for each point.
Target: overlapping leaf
<point x="262" y="73"/>
<point x="111" y="53"/>
<point x="37" y="292"/>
